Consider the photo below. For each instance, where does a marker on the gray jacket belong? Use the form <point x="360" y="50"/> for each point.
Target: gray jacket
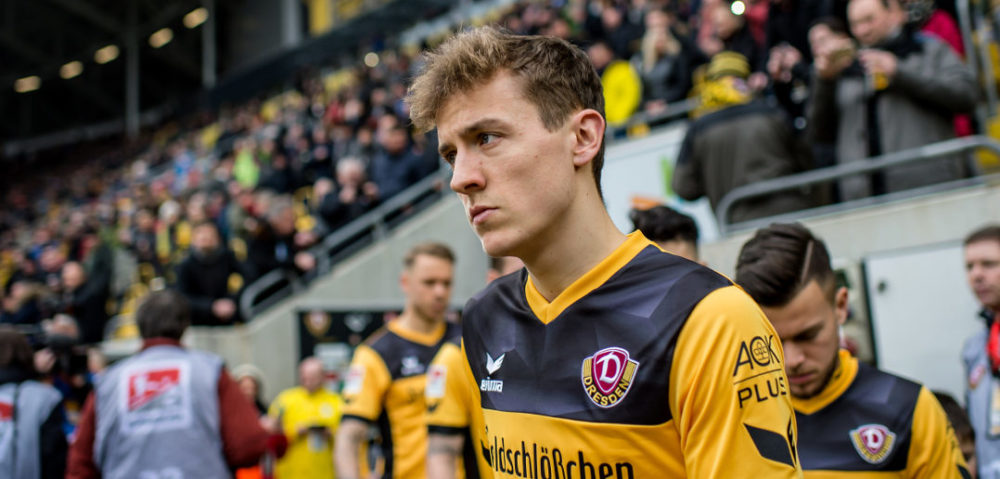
<point x="982" y="386"/>
<point x="157" y="415"/>
<point x="26" y="408"/>
<point x="931" y="85"/>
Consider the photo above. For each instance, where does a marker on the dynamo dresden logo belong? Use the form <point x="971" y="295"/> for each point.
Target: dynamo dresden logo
<point x="608" y="375"/>
<point x="874" y="442"/>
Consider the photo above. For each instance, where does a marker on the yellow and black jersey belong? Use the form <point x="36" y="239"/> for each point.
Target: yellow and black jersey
<point x="647" y="366"/>
<point x="453" y="405"/>
<point x="385" y="386"/>
<point x="868" y="423"/>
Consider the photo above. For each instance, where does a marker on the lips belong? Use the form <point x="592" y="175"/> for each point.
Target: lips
<point x="479" y="214"/>
<point x="800" y="378"/>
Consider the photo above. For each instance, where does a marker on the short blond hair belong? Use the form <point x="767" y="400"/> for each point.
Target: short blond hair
<point x="556" y="77"/>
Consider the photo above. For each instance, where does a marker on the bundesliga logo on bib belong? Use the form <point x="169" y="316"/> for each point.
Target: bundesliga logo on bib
<point x="873" y="442"/>
<point x="607" y="376"/>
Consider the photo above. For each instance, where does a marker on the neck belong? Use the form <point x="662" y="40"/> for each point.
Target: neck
<point x="576" y="245"/>
<point x="412" y="320"/>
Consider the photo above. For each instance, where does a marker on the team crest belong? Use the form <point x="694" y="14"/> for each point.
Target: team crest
<point x="874" y="442"/>
<point x="608" y="375"/>
<point x="318" y="323"/>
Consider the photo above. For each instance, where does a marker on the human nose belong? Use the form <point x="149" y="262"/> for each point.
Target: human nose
<point x="467" y="174"/>
<point x="793" y="355"/>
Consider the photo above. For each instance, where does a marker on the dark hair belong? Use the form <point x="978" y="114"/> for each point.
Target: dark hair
<point x="835" y="24"/>
<point x="957" y="416"/>
<point x="662" y="223"/>
<point x="780" y="260"/>
<point x="163" y="314"/>
<point x="986" y="233"/>
<point x="437" y="250"/>
<point x="15" y="351"/>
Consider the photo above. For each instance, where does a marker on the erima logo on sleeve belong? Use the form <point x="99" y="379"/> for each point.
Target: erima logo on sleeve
<point x="607" y="375"/>
<point x="492" y="366"/>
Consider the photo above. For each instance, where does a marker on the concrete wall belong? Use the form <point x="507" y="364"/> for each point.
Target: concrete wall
<point x="913" y="222"/>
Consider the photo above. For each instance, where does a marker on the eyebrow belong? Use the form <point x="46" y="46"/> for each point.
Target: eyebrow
<point x="483" y="124"/>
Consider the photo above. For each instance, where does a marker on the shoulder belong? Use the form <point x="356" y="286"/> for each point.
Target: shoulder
<point x="41" y="391"/>
<point x="879" y="388"/>
<point x="506" y="290"/>
<point x="289" y="395"/>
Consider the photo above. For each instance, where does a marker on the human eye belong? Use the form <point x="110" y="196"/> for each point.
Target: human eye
<point x="449" y="158"/>
<point x="486" y="138"/>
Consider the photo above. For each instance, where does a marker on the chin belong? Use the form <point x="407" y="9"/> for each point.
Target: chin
<point x="496" y="246"/>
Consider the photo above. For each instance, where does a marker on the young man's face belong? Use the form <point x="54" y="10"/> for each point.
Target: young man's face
<point x="808" y="326"/>
<point x="515" y="178"/>
<point x="982" y="268"/>
<point x="427" y="285"/>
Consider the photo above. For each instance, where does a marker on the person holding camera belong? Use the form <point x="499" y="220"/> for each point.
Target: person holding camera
<point x="898" y="91"/>
<point x="30" y="416"/>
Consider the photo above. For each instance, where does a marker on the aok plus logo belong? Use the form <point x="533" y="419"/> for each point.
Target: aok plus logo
<point x="607" y="376"/>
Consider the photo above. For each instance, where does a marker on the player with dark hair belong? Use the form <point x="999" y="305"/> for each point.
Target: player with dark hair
<point x="854" y="420"/>
<point x="674" y="231"/>
<point x="592" y="361"/>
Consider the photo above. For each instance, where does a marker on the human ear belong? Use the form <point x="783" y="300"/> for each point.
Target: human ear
<point x="588" y="136"/>
<point x="840" y="305"/>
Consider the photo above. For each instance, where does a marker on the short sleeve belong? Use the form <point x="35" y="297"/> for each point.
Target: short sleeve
<point x="934" y="451"/>
<point x="448" y="391"/>
<point x="367" y="382"/>
<point x="729" y="394"/>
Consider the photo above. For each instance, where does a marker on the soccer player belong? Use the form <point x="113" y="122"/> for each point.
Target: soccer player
<point x="451" y="405"/>
<point x="854" y="420"/>
<point x="606" y="357"/>
<point x="385" y="384"/>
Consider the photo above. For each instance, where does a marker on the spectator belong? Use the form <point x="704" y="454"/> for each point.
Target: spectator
<point x="730" y="33"/>
<point x="354" y="196"/>
<point x="277" y="244"/>
<point x="210" y="278"/>
<point x="309" y="416"/>
<point x="620" y="82"/>
<point x="84" y="301"/>
<point x="32" y="442"/>
<point x="893" y="424"/>
<point x="20" y="305"/>
<point x="177" y="402"/>
<point x="981" y="353"/>
<point x="395" y="166"/>
<point x="665" y="72"/>
<point x="672" y="230"/>
<point x="959" y="420"/>
<point x="740" y="143"/>
<point x="899" y="91"/>
<point x="251" y="382"/>
<point x="63" y="362"/>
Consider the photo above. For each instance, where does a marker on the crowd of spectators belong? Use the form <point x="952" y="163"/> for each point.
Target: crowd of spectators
<point x="209" y="204"/>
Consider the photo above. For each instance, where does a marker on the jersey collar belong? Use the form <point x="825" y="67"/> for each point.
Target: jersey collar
<point x="546" y="311"/>
<point x="427" y="339"/>
<point x="843" y="377"/>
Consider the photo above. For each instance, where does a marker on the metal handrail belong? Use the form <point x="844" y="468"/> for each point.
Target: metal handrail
<point x="825" y="175"/>
<point x="253" y="300"/>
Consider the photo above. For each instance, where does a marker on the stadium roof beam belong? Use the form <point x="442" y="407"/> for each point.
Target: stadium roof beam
<point x="33" y="56"/>
<point x="86" y="11"/>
